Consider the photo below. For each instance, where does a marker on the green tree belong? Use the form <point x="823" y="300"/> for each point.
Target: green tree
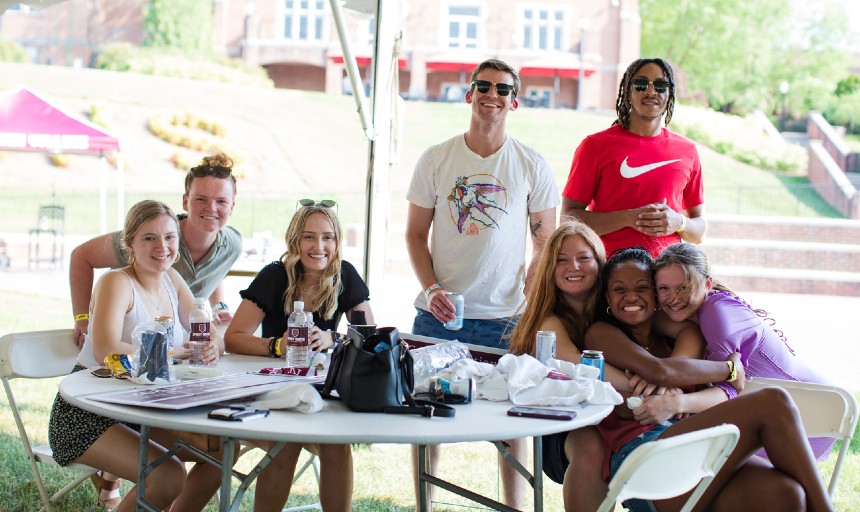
<point x="736" y="52"/>
<point x="10" y="51"/>
<point x="183" y="25"/>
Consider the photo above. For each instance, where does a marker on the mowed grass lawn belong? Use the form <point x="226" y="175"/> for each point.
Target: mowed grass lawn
<point x="382" y="481"/>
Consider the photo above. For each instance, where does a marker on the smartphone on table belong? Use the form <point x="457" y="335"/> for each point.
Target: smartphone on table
<point x="541" y="412"/>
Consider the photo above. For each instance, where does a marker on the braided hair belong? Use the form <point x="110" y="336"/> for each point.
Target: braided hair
<point x="623" y="106"/>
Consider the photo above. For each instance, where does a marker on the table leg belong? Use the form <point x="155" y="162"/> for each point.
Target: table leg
<point x="537" y="483"/>
<point x="226" y="475"/>
<point x="141" y="468"/>
<point x="423" y="503"/>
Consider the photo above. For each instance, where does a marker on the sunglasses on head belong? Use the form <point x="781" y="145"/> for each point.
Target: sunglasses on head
<point x="483" y="87"/>
<point x="211" y="170"/>
<point x="325" y="203"/>
<point x="641" y="84"/>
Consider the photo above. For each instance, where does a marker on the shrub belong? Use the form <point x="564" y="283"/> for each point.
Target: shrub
<point x="61" y="159"/>
<point x="116" y="57"/>
<point x="10" y="51"/>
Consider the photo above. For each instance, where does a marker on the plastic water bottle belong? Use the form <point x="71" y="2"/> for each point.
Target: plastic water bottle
<point x="298" y="350"/>
<point x="200" y="332"/>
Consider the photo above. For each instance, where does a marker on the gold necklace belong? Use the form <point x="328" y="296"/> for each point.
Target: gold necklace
<point x="649" y="347"/>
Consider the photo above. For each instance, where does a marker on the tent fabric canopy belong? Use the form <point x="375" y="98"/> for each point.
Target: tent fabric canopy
<point x="30" y="123"/>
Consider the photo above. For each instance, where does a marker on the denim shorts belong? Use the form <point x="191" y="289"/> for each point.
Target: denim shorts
<point x="487" y="333"/>
<point x="635" y="505"/>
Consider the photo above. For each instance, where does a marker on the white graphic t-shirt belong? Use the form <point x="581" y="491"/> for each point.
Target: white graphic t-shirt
<point x="480" y="219"/>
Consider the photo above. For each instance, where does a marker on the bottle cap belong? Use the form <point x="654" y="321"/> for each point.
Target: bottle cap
<point x="199" y="301"/>
<point x="299" y="304"/>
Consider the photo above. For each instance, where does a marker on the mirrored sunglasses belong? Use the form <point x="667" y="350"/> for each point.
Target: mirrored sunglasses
<point x="483" y="87"/>
<point x="641" y="84"/>
<point x="325" y="203"/>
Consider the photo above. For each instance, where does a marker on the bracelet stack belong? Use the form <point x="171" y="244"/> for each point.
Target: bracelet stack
<point x="733" y="372"/>
<point x="274" y="349"/>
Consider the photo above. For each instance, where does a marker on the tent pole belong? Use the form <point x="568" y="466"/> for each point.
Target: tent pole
<point x="102" y="194"/>
<point x="384" y="67"/>
<point x="120" y="191"/>
<point x="352" y="67"/>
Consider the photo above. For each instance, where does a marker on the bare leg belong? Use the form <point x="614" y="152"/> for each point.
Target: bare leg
<point x="513" y="483"/>
<point x="584" y="488"/>
<point x="766" y="418"/>
<point x="117" y="451"/>
<point x="746" y="492"/>
<point x="432" y="462"/>
<point x="276" y="479"/>
<point x="335" y="477"/>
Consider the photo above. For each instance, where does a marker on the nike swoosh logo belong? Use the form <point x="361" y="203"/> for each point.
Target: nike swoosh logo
<point x="632" y="172"/>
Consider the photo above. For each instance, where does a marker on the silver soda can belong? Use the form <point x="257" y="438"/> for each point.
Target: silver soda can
<point x="465" y="388"/>
<point x="459" y="309"/>
<point x="545" y="346"/>
<point x="593" y="358"/>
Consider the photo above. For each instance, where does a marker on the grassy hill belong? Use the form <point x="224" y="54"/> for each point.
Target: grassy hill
<point x="295" y="144"/>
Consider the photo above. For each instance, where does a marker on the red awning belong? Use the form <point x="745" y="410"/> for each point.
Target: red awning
<point x="564" y="65"/>
<point x="29" y="123"/>
<point x="363" y="61"/>
<point x="454" y="62"/>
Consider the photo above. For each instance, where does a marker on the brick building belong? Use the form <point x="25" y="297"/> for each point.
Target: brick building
<point x="551" y="42"/>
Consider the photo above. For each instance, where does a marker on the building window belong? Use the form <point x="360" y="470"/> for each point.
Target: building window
<point x="463" y="23"/>
<point x="542" y="28"/>
<point x="304" y="19"/>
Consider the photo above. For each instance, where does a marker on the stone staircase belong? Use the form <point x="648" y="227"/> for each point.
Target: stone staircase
<point x="785" y="254"/>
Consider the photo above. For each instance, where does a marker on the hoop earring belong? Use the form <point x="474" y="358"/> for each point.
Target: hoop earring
<point x="608" y="312"/>
<point x="131" y="258"/>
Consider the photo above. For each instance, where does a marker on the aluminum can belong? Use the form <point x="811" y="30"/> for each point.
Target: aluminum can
<point x="545" y="346"/>
<point x="593" y="358"/>
<point x="459" y="310"/>
<point x="465" y="388"/>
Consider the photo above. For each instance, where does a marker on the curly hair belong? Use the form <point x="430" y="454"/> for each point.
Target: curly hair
<point x="545" y="299"/>
<point x="623" y="105"/>
<point x="218" y="165"/>
<point x="330" y="285"/>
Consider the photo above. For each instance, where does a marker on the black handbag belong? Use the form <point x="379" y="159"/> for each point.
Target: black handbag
<point x="374" y="374"/>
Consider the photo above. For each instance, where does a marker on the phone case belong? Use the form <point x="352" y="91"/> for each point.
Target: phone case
<point x="536" y="412"/>
<point x="234" y="414"/>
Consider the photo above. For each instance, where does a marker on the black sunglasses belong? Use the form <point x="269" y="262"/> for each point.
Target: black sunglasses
<point x="641" y="84"/>
<point x="483" y="87"/>
<point x="325" y="203"/>
<point x="217" y="171"/>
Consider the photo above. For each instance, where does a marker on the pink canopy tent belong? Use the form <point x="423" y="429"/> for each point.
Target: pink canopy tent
<point x="30" y="123"/>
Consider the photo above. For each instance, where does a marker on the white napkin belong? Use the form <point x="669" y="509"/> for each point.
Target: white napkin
<point x="294" y="395"/>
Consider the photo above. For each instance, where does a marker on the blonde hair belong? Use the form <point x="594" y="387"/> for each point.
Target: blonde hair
<point x="140" y="214"/>
<point x="329" y="284"/>
<point x="545" y="299"/>
<point x="218" y="166"/>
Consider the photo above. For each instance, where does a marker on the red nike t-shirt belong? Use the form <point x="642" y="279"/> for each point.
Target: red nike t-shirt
<point x="617" y="170"/>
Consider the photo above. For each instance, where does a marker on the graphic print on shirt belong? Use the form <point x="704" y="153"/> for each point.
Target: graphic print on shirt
<point x="632" y="172"/>
<point x="477" y="202"/>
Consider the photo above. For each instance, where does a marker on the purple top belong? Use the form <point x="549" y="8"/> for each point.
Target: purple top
<point x="730" y="325"/>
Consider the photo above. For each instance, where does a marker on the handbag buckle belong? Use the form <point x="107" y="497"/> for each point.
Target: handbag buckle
<point x="428" y="411"/>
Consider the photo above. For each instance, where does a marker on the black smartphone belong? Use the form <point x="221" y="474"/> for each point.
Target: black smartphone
<point x="240" y="413"/>
<point x="540" y="412"/>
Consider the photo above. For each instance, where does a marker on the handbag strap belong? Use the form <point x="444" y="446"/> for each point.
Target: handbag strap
<point x="337" y="362"/>
<point x="425" y="408"/>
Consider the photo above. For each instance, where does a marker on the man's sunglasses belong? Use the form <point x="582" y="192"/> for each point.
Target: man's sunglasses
<point x="217" y="171"/>
<point x="641" y="84"/>
<point x="325" y="203"/>
<point x="483" y="87"/>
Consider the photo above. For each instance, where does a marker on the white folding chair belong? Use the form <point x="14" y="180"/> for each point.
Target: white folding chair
<point x="670" y="467"/>
<point x="826" y="411"/>
<point x="39" y="355"/>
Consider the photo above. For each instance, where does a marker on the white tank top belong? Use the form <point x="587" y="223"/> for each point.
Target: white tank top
<point x="137" y="315"/>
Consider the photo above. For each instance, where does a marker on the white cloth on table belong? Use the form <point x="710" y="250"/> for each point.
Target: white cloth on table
<point x="526" y="381"/>
<point x="294" y="395"/>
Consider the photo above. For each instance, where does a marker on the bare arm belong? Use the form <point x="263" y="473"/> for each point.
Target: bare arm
<point x="624" y="354"/>
<point x="541" y="226"/>
<point x="601" y="222"/>
<point x="239" y="338"/>
<point x="85" y="258"/>
<point x="215" y="348"/>
<point x="365" y="307"/>
<point x="219" y="316"/>
<point x="418" y="221"/>
<point x="112" y="299"/>
<point x="656" y="409"/>
<point x="662" y="220"/>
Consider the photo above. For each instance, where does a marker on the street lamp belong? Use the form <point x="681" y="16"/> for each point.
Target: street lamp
<point x="584" y="23"/>
<point x="783" y="89"/>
